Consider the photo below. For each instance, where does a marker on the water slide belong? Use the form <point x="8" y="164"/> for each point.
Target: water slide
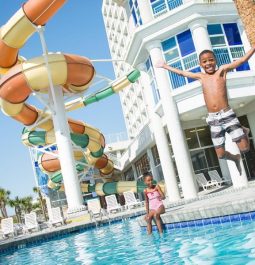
<point x="73" y="73"/>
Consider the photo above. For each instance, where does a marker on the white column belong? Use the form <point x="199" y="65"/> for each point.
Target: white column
<point x="246" y="43"/>
<point x="200" y="35"/>
<point x="251" y="120"/>
<point x="152" y="164"/>
<point x="66" y="157"/>
<point x="179" y="144"/>
<point x="160" y="139"/>
<point x="145" y="10"/>
<point x="237" y="179"/>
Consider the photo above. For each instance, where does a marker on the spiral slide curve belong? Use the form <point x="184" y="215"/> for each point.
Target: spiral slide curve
<point x="74" y="73"/>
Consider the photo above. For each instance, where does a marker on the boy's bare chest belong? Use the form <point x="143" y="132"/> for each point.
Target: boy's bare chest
<point x="213" y="83"/>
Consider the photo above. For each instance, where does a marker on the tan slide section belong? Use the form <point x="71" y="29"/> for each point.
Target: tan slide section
<point x="20" y="27"/>
<point x="15" y="87"/>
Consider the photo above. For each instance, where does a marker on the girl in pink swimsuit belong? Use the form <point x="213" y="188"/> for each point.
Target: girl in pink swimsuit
<point x="153" y="202"/>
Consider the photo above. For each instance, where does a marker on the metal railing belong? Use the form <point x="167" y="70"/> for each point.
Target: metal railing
<point x="116" y="137"/>
<point x="161" y="8"/>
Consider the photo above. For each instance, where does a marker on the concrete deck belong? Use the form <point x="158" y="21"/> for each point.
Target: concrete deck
<point x="223" y="201"/>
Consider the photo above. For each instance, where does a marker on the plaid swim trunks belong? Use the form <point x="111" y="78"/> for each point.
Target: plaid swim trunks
<point x="222" y="122"/>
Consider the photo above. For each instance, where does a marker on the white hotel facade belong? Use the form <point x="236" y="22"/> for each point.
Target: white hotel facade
<point x="165" y="113"/>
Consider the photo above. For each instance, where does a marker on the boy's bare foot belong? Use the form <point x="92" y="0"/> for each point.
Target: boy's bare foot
<point x="246" y="131"/>
<point x="238" y="163"/>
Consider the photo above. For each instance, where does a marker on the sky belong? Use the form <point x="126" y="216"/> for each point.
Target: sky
<point x="77" y="28"/>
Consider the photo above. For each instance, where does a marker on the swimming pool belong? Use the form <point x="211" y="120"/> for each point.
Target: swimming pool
<point x="126" y="243"/>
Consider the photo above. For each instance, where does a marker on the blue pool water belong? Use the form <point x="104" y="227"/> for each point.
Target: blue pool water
<point x="125" y="243"/>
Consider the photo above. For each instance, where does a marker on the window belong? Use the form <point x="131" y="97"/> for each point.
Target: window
<point x="155" y="155"/>
<point x="160" y="7"/>
<point x="135" y="12"/>
<point x="142" y="165"/>
<point x="179" y="52"/>
<point x="227" y="44"/>
<point x="129" y="174"/>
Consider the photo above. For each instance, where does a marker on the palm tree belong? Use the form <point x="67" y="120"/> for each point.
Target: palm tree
<point x="246" y="11"/>
<point x="27" y="204"/>
<point x="16" y="203"/>
<point x="4" y="199"/>
<point x="41" y="200"/>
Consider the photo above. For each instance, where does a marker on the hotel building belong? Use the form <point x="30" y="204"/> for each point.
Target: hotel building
<point x="165" y="113"/>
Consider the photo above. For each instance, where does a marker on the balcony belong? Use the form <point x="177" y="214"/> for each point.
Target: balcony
<point x="163" y="6"/>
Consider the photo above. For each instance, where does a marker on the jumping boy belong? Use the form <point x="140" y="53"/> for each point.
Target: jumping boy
<point x="221" y="118"/>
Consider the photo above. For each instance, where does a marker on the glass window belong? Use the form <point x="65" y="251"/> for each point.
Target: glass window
<point x="204" y="135"/>
<point x="168" y="44"/>
<point x="222" y="56"/>
<point x="217" y="41"/>
<point x="155" y="155"/>
<point x="244" y="67"/>
<point x="227" y="44"/>
<point x="172" y="54"/>
<point x="195" y="70"/>
<point x="177" y="80"/>
<point x="135" y="12"/>
<point x="211" y="157"/>
<point x="198" y="160"/>
<point x="129" y="174"/>
<point x="232" y="34"/>
<point x="185" y="42"/>
<point x="142" y="165"/>
<point x="191" y="138"/>
<point x="214" y="29"/>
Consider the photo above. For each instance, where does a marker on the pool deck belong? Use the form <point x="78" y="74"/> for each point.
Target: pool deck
<point x="220" y="202"/>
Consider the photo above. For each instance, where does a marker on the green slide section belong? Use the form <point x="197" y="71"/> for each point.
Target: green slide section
<point x="133" y="76"/>
<point x="110" y="188"/>
<point x="98" y="96"/>
<point x="102" y="94"/>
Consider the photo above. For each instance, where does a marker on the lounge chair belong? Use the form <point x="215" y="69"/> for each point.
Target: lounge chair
<point x="7" y="227"/>
<point x="130" y="200"/>
<point x="204" y="183"/>
<point x="31" y="222"/>
<point x="112" y="204"/>
<point x="95" y="210"/>
<point x="56" y="217"/>
<point x="214" y="175"/>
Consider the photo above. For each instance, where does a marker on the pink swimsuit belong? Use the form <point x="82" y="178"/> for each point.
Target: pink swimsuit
<point x="154" y="200"/>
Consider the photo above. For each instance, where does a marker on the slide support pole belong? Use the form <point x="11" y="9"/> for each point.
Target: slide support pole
<point x="62" y="133"/>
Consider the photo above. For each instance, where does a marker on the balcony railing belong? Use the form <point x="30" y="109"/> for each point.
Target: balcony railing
<point x="161" y="7"/>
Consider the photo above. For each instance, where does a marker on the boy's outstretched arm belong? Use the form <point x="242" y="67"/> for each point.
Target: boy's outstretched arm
<point x="162" y="64"/>
<point x="240" y="61"/>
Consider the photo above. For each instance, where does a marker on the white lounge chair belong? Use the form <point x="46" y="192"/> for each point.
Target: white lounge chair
<point x="95" y="210"/>
<point x="130" y="200"/>
<point x="112" y="204"/>
<point x="204" y="183"/>
<point x="56" y="217"/>
<point x="31" y="222"/>
<point x="214" y="175"/>
<point x="7" y="227"/>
